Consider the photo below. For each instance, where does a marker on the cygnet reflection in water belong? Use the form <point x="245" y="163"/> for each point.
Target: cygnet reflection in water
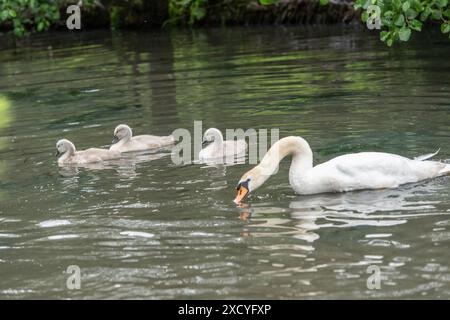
<point x="125" y="166"/>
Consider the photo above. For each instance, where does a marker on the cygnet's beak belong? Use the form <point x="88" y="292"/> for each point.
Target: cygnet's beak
<point x="115" y="139"/>
<point x="57" y="153"/>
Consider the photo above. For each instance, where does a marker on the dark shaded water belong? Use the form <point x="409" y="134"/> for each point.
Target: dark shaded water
<point x="146" y="228"/>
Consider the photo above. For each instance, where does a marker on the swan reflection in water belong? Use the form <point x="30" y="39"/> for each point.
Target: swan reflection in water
<point x="261" y="225"/>
<point x="308" y="214"/>
<point x="223" y="162"/>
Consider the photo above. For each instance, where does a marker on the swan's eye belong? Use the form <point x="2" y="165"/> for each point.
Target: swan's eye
<point x="243" y="184"/>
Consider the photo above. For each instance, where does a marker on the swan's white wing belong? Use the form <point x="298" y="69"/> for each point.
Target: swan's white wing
<point x="208" y="153"/>
<point x="97" y="154"/>
<point x="369" y="170"/>
<point x="231" y="152"/>
<point x="427" y="156"/>
<point x="149" y="141"/>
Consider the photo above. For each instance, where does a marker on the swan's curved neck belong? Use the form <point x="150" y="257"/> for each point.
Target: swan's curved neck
<point x="71" y="148"/>
<point x="124" y="139"/>
<point x="128" y="136"/>
<point x="70" y="151"/>
<point x="297" y="147"/>
<point x="218" y="140"/>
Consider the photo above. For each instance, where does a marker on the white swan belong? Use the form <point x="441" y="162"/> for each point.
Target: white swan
<point x="124" y="141"/>
<point x="365" y="170"/>
<point x="218" y="148"/>
<point x="70" y="155"/>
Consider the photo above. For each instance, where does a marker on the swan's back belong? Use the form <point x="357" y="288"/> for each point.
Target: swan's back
<point x="230" y="149"/>
<point x="157" y="141"/>
<point x="143" y="142"/>
<point x="374" y="170"/>
<point x="94" y="155"/>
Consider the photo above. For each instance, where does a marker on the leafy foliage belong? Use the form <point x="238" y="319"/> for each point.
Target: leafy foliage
<point x="28" y="15"/>
<point x="25" y="16"/>
<point x="267" y="2"/>
<point x="400" y="17"/>
<point x="187" y="11"/>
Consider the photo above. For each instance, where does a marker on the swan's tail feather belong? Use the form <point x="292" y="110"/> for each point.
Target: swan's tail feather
<point x="169" y="139"/>
<point x="445" y="171"/>
<point x="427" y="156"/>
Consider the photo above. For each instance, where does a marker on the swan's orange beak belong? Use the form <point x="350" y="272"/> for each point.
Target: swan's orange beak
<point x="242" y="191"/>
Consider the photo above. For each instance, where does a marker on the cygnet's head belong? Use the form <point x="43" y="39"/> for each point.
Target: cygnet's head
<point x="63" y="146"/>
<point x="211" y="135"/>
<point x="122" y="131"/>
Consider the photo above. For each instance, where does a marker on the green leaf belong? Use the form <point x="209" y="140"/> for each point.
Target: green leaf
<point x="19" y="31"/>
<point x="387" y="22"/>
<point x="267" y="2"/>
<point x="366" y="4"/>
<point x="425" y="14"/>
<point x="406" y="5"/>
<point x="384" y="35"/>
<point x="40" y="26"/>
<point x="3" y="15"/>
<point x="358" y="4"/>
<point x="442" y="3"/>
<point x="416" y="25"/>
<point x="418" y="6"/>
<point x="397" y="4"/>
<point x="389" y="42"/>
<point x="404" y="34"/>
<point x="411" y="14"/>
<point x="364" y="16"/>
<point x="436" y="14"/>
<point x="445" y="27"/>
<point x="324" y="2"/>
<point x="447" y="13"/>
<point x="12" y="13"/>
<point x="198" y="13"/>
<point x="400" y="20"/>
